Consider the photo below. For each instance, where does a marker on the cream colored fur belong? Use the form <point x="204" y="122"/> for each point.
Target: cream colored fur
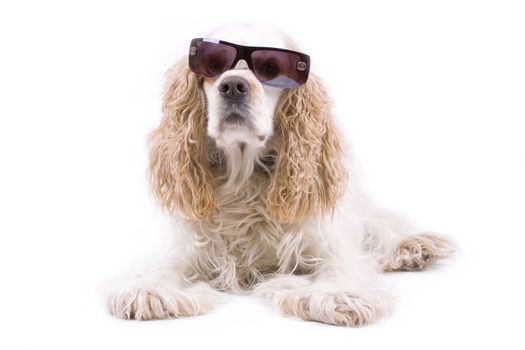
<point x="296" y="228"/>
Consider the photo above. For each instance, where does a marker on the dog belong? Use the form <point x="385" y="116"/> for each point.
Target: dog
<point x="250" y="163"/>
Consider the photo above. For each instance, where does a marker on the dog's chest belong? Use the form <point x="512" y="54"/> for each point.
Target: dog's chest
<point x="240" y="245"/>
<point x="248" y="231"/>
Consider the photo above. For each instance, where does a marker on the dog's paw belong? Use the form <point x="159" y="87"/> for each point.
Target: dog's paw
<point x="337" y="308"/>
<point x="418" y="252"/>
<point x="150" y="304"/>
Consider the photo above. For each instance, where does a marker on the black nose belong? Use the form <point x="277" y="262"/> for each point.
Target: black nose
<point x="234" y="88"/>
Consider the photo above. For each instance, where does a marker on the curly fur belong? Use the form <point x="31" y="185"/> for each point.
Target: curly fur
<point x="178" y="169"/>
<point x="275" y="213"/>
<point x="310" y="177"/>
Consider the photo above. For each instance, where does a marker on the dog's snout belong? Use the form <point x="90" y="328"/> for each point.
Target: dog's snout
<point x="234" y="88"/>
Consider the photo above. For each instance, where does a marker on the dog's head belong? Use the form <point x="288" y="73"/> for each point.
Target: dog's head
<point x="253" y="100"/>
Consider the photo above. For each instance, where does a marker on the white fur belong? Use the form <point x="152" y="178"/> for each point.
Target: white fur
<point x="323" y="269"/>
<point x="261" y="109"/>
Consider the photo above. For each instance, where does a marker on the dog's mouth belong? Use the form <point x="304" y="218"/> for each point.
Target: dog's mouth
<point x="236" y="124"/>
<point x="235" y="115"/>
<point x="235" y="118"/>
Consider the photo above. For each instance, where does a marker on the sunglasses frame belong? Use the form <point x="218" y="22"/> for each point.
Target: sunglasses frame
<point x="245" y="52"/>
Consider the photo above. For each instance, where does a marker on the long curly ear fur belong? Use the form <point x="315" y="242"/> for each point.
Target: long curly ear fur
<point x="309" y="176"/>
<point x="178" y="169"/>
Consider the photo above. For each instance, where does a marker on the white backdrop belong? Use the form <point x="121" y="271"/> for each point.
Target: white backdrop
<point x="430" y="93"/>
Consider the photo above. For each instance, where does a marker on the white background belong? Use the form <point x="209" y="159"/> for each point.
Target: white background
<point x="432" y="95"/>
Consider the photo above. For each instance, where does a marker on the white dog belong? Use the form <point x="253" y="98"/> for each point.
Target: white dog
<point x="248" y="158"/>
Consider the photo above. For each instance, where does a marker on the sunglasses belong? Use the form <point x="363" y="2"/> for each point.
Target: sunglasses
<point x="272" y="66"/>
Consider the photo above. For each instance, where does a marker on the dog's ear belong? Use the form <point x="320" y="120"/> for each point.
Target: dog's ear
<point x="309" y="176"/>
<point x="178" y="169"/>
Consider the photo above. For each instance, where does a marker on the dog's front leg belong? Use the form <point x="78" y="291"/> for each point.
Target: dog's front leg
<point x="333" y="295"/>
<point x="161" y="293"/>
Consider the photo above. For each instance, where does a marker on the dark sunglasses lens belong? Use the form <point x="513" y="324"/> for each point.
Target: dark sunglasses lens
<point x="211" y="59"/>
<point x="279" y="69"/>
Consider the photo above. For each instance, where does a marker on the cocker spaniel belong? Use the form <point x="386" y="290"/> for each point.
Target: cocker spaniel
<point x="249" y="162"/>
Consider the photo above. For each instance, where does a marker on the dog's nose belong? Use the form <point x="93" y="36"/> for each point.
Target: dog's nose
<point x="234" y="88"/>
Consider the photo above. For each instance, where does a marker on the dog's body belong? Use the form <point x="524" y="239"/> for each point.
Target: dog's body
<point x="266" y="204"/>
